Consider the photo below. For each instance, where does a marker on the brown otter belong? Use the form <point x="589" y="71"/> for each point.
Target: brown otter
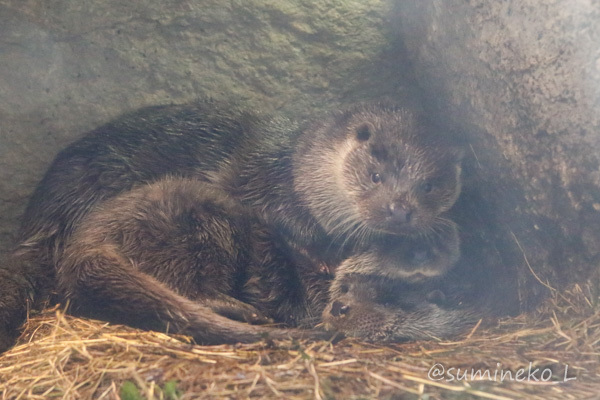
<point x="324" y="191"/>
<point x="408" y="258"/>
<point x="174" y="254"/>
<point x="379" y="309"/>
<point x="376" y="170"/>
<point x="389" y="292"/>
<point x="182" y="254"/>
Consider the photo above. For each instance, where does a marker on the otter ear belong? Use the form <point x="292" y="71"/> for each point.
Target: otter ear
<point x="364" y="131"/>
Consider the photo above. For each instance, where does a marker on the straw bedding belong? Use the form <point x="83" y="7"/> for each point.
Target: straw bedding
<point x="59" y="356"/>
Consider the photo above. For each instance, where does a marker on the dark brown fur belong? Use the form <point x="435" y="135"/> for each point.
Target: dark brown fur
<point x="378" y="309"/>
<point x="174" y="254"/>
<point x="389" y="293"/>
<point x="322" y="192"/>
<point x="408" y="258"/>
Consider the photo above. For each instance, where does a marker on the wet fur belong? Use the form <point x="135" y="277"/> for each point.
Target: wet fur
<point x="378" y="309"/>
<point x="309" y="187"/>
<point x="171" y="255"/>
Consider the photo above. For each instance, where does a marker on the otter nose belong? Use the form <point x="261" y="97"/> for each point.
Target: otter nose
<point x="419" y="257"/>
<point x="400" y="213"/>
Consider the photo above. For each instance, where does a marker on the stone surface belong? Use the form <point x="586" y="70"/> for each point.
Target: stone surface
<point x="521" y="79"/>
<point x="68" y="66"/>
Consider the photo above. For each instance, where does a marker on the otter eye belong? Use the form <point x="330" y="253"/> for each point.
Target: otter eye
<point x="427" y="187"/>
<point x="344" y="288"/>
<point x="376" y="178"/>
<point x="363" y="132"/>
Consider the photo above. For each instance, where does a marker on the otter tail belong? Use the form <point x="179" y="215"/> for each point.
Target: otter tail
<point x="13" y="304"/>
<point x="25" y="279"/>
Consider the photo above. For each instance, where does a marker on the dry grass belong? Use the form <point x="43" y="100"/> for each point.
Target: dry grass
<point x="59" y="356"/>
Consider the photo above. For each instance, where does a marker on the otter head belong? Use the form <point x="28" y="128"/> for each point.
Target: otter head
<point x="377" y="309"/>
<point x="407" y="258"/>
<point x="378" y="169"/>
<point x="400" y="178"/>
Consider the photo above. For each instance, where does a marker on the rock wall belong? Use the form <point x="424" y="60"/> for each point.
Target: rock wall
<point x="521" y="80"/>
<point x="517" y="82"/>
<point x="67" y="66"/>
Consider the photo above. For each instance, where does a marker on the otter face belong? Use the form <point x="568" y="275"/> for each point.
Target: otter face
<point x="400" y="181"/>
<point x="410" y="259"/>
<point x="376" y="309"/>
<point x="376" y="169"/>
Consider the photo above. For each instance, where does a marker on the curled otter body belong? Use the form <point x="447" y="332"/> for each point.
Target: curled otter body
<point x="174" y="254"/>
<point x="324" y="191"/>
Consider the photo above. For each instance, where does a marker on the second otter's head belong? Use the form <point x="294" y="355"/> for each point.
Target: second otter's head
<point x="378" y="309"/>
<point x="377" y="169"/>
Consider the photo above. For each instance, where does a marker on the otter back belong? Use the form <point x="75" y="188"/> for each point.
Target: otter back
<point x="324" y="191"/>
<point x="174" y="255"/>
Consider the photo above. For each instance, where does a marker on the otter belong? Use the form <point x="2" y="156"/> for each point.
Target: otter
<point x="378" y="309"/>
<point x="175" y="254"/>
<point x="181" y="254"/>
<point x="407" y="258"/>
<point x="324" y="191"/>
<point x="390" y="291"/>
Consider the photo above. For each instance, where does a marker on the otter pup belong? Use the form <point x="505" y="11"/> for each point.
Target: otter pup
<point x="379" y="309"/>
<point x="388" y="292"/>
<point x="408" y="258"/>
<point x="324" y="191"/>
<point x="174" y="254"/>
